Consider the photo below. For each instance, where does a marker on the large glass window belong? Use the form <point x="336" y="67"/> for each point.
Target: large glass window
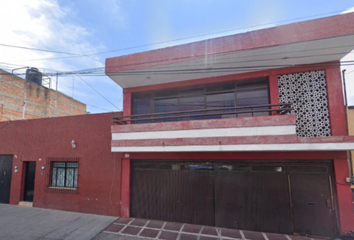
<point x="222" y="95"/>
<point x="165" y="105"/>
<point x="220" y="100"/>
<point x="192" y="104"/>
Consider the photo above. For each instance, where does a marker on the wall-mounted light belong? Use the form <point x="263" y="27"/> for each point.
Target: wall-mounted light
<point x="43" y="167"/>
<point x="73" y="144"/>
<point x="16" y="169"/>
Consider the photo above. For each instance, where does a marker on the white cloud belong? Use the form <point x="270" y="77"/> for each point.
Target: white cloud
<point x="45" y="24"/>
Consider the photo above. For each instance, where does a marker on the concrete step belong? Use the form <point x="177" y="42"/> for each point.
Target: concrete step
<point x="25" y="204"/>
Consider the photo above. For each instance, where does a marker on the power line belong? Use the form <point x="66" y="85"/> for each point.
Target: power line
<point x="36" y="49"/>
<point x="53" y="74"/>
<point x="224" y="69"/>
<point x="99" y="107"/>
<point x="195" y="57"/>
<point x="97" y="92"/>
<point x="230" y="30"/>
<point x="203" y="70"/>
<point x="75" y="55"/>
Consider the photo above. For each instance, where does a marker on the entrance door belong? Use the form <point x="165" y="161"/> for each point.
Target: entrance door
<point x="5" y="177"/>
<point x="29" y="181"/>
<point x="312" y="200"/>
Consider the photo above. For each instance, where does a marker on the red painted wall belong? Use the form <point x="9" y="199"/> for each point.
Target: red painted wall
<point x="99" y="180"/>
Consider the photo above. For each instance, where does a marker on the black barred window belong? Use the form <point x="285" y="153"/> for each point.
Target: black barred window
<point x="64" y="174"/>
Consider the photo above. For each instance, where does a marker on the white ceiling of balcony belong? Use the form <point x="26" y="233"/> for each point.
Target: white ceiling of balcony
<point x="310" y="52"/>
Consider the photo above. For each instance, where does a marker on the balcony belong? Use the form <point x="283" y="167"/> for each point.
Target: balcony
<point x="213" y="113"/>
<point x="227" y="133"/>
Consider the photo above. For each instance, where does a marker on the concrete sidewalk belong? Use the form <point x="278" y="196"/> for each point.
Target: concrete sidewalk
<point x="22" y="223"/>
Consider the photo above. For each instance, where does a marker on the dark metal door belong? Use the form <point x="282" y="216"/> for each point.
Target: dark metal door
<point x="179" y="192"/>
<point x="312" y="200"/>
<point x="29" y="181"/>
<point x="5" y="177"/>
<point x="252" y="197"/>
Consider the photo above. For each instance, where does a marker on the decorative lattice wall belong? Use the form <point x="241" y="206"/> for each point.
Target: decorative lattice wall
<point x="308" y="93"/>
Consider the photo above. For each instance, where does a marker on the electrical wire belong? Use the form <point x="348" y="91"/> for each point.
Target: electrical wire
<point x="220" y="69"/>
<point x="202" y="70"/>
<point x="172" y="40"/>
<point x="99" y="107"/>
<point x="36" y="49"/>
<point x="54" y="74"/>
<point x="93" y="70"/>
<point x="195" y="57"/>
<point x="97" y="92"/>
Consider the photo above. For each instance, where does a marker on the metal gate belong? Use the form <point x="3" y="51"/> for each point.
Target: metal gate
<point x="5" y="177"/>
<point x="268" y="196"/>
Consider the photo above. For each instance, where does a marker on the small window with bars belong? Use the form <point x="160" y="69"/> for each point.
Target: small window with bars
<point x="64" y="174"/>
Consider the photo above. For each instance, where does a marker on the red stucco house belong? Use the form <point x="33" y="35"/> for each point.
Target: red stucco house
<point x="247" y="131"/>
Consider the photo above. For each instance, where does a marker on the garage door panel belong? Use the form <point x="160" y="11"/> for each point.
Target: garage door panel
<point x="173" y="195"/>
<point x="247" y="200"/>
<point x="313" y="201"/>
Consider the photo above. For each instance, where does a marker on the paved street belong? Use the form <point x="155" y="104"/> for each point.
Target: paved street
<point x="22" y="223"/>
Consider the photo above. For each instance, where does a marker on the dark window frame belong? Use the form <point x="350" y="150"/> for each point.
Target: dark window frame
<point x="66" y="170"/>
<point x="248" y="85"/>
<point x="49" y="174"/>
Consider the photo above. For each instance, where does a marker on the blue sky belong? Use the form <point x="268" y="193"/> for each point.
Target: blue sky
<point x="91" y="26"/>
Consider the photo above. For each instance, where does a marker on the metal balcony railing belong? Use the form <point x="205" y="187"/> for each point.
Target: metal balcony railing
<point x="211" y="113"/>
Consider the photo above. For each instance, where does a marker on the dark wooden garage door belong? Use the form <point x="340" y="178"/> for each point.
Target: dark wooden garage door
<point x="311" y="193"/>
<point x="5" y="177"/>
<point x="179" y="192"/>
<point x="277" y="196"/>
<point x="252" y="197"/>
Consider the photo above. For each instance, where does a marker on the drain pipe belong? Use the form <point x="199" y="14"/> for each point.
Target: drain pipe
<point x="346" y="112"/>
<point x="345" y="89"/>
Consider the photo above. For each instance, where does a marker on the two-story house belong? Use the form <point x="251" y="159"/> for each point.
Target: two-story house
<point x="247" y="131"/>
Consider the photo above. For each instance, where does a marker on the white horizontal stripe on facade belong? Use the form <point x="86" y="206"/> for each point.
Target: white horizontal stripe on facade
<point x="242" y="147"/>
<point x="202" y="133"/>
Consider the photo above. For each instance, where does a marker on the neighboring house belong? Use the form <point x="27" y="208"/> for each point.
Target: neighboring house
<point x="25" y="99"/>
<point x="61" y="163"/>
<point x="247" y="131"/>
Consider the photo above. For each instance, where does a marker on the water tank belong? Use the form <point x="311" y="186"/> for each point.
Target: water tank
<point x="34" y="75"/>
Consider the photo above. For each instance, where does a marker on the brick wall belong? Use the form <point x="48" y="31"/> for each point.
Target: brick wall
<point x="24" y="99"/>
